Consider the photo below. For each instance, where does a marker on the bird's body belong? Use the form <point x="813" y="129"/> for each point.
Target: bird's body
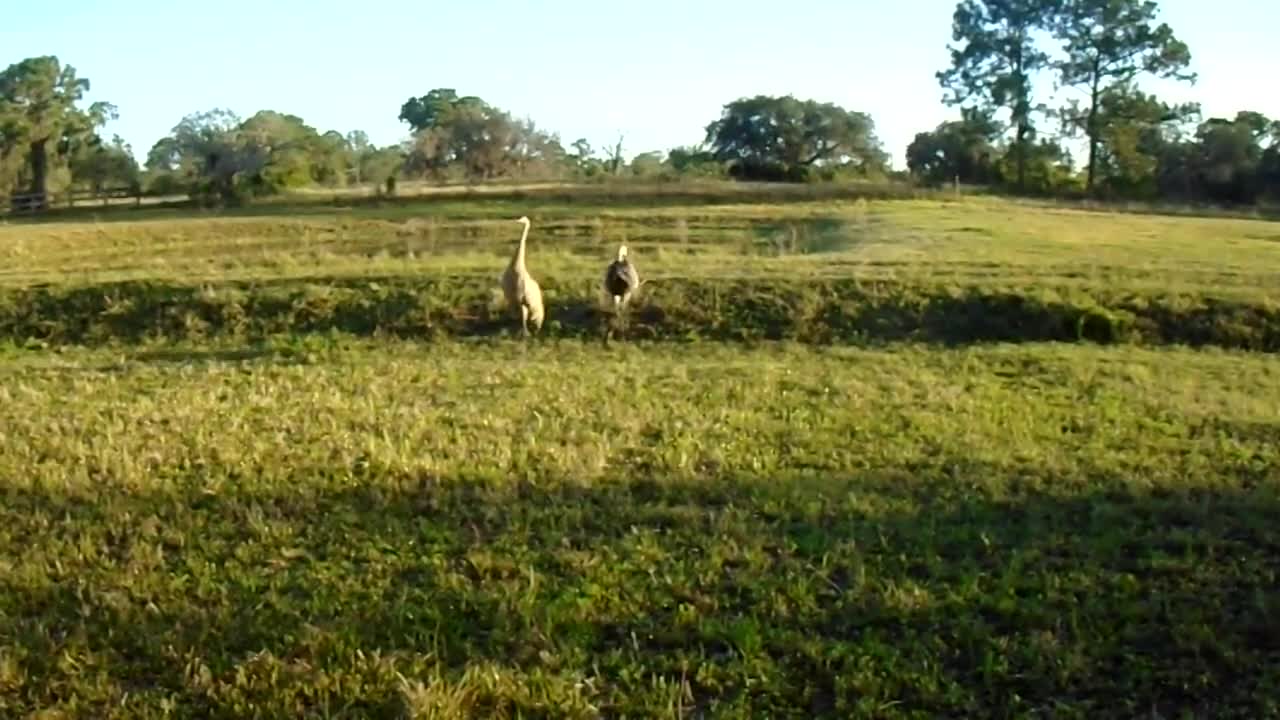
<point x="621" y="279"/>
<point x="522" y="292"/>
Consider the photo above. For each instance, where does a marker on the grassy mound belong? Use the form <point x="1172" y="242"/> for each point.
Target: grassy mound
<point x="819" y="311"/>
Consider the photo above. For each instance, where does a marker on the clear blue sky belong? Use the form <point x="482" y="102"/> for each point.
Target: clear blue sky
<point x="657" y="71"/>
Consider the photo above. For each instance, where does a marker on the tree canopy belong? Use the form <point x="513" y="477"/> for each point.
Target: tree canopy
<point x="40" y="120"/>
<point x="470" y="137"/>
<point x="215" y="156"/>
<point x="995" y="62"/>
<point x="1236" y="160"/>
<point x="960" y="150"/>
<point x="783" y="138"/>
<point x="1107" y="44"/>
<point x="101" y="165"/>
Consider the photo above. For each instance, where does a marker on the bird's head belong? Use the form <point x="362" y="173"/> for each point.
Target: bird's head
<point x="622" y="252"/>
<point x="523" y="220"/>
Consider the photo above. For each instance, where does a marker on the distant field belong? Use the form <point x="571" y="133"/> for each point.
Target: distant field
<point x="971" y="239"/>
<point x="881" y="458"/>
<point x="820" y="271"/>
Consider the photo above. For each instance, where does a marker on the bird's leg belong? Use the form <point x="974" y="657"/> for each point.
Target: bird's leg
<point x="524" y="319"/>
<point x="620" y="311"/>
<point x="617" y="308"/>
<point x="603" y="326"/>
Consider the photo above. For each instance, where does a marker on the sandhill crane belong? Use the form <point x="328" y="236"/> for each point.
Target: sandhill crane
<point x="520" y="288"/>
<point x="621" y="280"/>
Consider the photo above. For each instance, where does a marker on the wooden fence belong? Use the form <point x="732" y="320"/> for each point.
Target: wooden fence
<point x="29" y="203"/>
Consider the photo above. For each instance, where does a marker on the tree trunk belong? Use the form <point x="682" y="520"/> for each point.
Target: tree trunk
<point x="1020" y="152"/>
<point x="1021" y="114"/>
<point x="1093" y="159"/>
<point x="39" y="175"/>
<point x="1091" y="126"/>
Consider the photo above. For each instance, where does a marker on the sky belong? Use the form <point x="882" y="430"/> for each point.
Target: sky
<point x="656" y="72"/>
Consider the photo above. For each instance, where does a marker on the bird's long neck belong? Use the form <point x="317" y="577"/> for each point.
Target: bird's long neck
<point x="518" y="260"/>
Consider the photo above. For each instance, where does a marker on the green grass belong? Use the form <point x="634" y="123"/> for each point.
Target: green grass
<point x="855" y="458"/>
<point x="391" y="529"/>
<point x="970" y="240"/>
<point x="832" y="271"/>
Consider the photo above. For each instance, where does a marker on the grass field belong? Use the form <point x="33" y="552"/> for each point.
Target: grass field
<point x="289" y="464"/>
<point x="816" y="271"/>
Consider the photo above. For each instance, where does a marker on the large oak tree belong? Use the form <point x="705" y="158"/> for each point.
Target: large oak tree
<point x="765" y="137"/>
<point x="468" y="134"/>
<point x="40" y="117"/>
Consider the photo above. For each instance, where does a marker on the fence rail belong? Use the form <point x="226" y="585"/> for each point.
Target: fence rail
<point x="31" y="203"/>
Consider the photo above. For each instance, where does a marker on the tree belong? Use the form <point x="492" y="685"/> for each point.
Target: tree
<point x="1047" y="166"/>
<point x="958" y="149"/>
<point x="1269" y="173"/>
<point x="766" y="137"/>
<point x="1269" y="165"/>
<point x="583" y="159"/>
<point x="648" y="164"/>
<point x="533" y="152"/>
<point x="215" y="154"/>
<point x="100" y="165"/>
<point x="39" y="115"/>
<point x="379" y="164"/>
<point x="469" y="135"/>
<point x="358" y="142"/>
<point x="1135" y="130"/>
<point x="359" y="147"/>
<point x="614" y="161"/>
<point x="280" y="147"/>
<point x="1107" y="45"/>
<point x="330" y="157"/>
<point x="447" y="129"/>
<point x="695" y="161"/>
<point x="1231" y="158"/>
<point x="432" y="109"/>
<point x="997" y="61"/>
<point x="208" y="155"/>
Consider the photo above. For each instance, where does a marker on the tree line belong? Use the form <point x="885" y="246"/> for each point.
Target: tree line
<point x="1005" y="138"/>
<point x="1137" y="146"/>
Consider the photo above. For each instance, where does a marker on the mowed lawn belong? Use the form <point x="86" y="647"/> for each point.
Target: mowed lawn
<point x="964" y="241"/>
<point x="284" y="463"/>
<point x="345" y="528"/>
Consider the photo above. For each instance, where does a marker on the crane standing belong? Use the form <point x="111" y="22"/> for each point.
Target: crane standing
<point x="521" y="290"/>
<point x="621" y="280"/>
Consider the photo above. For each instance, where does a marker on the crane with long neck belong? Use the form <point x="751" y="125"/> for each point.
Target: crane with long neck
<point x="523" y="294"/>
<point x="517" y="260"/>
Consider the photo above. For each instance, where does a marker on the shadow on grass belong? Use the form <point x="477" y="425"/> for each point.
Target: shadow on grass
<point x="913" y="592"/>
